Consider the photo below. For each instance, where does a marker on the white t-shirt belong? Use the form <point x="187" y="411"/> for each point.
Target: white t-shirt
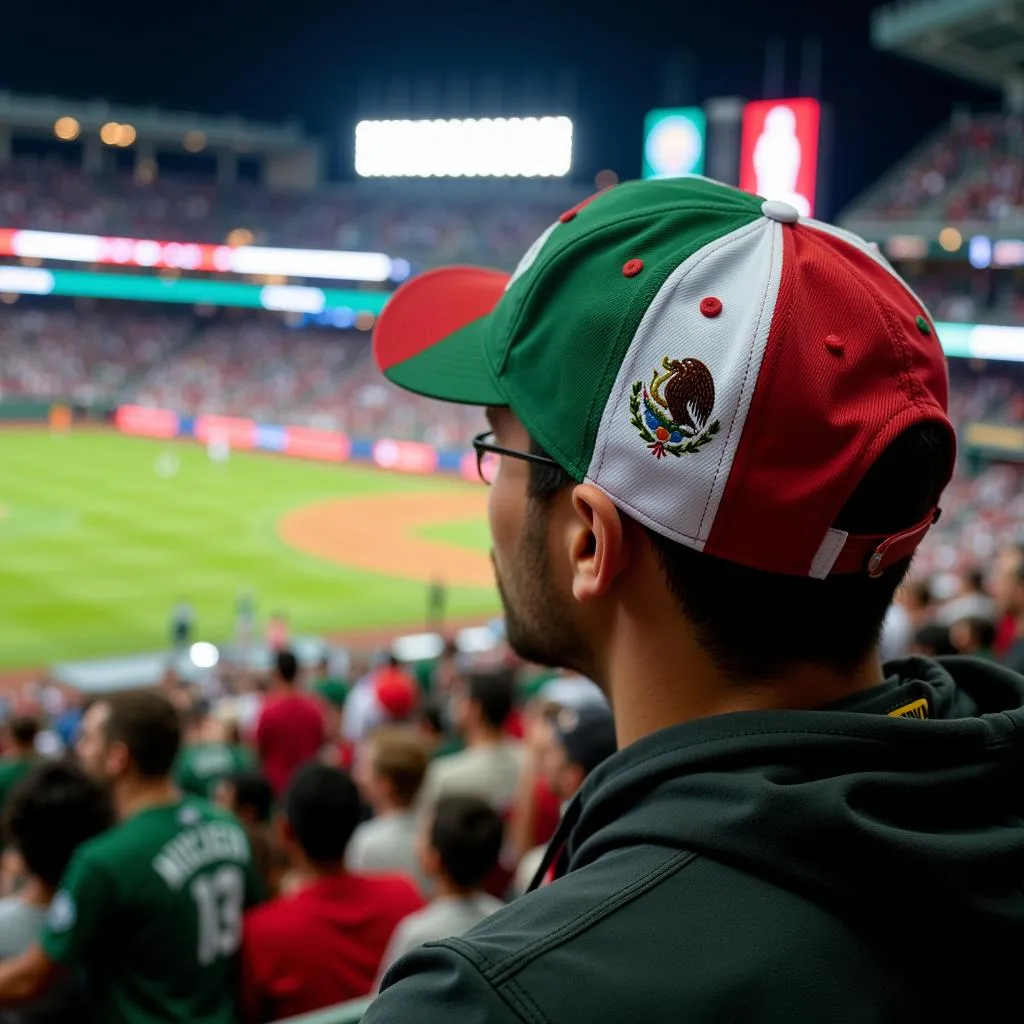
<point x="445" y="918"/>
<point x="387" y="844"/>
<point x="491" y="772"/>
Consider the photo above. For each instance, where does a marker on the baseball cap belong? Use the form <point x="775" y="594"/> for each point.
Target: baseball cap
<point x="587" y="733"/>
<point x="724" y="369"/>
<point x="396" y="692"/>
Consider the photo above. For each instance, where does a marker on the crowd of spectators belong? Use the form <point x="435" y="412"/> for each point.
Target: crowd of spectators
<point x="971" y="171"/>
<point x="276" y="863"/>
<point x="51" y="195"/>
<point x="61" y="354"/>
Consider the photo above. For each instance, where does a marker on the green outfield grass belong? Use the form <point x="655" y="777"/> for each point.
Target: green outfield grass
<point x="96" y="547"/>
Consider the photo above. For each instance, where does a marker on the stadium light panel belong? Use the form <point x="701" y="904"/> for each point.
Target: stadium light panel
<point x="500" y="147"/>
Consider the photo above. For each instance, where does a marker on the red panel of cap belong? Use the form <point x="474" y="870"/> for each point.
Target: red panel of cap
<point x="816" y="423"/>
<point x="430" y="307"/>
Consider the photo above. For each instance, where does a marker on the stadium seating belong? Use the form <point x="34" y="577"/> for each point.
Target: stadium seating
<point x="494" y="231"/>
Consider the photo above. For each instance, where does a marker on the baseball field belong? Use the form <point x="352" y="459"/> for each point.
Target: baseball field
<point x="101" y="534"/>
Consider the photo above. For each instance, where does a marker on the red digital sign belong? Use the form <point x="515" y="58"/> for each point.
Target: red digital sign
<point x="779" y="154"/>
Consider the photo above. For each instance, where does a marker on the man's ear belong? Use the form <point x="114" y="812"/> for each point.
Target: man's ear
<point x="598" y="551"/>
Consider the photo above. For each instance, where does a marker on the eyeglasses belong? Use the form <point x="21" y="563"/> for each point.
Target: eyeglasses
<point x="487" y="453"/>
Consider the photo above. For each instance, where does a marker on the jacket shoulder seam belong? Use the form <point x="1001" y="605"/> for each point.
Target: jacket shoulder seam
<point x="499" y="974"/>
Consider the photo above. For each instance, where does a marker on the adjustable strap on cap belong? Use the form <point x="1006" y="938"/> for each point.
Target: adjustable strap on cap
<point x="874" y="553"/>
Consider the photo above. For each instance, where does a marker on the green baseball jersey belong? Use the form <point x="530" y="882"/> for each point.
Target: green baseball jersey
<point x="152" y="912"/>
<point x="202" y="765"/>
<point x="12" y="770"/>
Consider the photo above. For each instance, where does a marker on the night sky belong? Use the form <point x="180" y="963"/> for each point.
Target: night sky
<point x="307" y="59"/>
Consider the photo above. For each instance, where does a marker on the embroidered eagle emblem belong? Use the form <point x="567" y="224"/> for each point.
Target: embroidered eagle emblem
<point x="672" y="411"/>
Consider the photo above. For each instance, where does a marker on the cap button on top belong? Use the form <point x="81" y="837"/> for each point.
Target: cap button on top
<point x="775" y="209"/>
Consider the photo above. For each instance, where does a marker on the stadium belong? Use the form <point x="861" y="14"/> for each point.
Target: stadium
<point x="209" y="489"/>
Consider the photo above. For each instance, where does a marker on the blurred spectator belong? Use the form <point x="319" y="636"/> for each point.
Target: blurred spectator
<point x="932" y="640"/>
<point x="911" y="610"/>
<point x="249" y="797"/>
<point x="972" y="602"/>
<point x="211" y="750"/>
<point x="183" y="620"/>
<point x="491" y="763"/>
<point x="459" y="849"/>
<point x="291" y="726"/>
<point x="973" y="636"/>
<point x="150" y="910"/>
<point x="386" y="694"/>
<point x="19" y="753"/>
<point x="1008" y="593"/>
<point x="566" y="746"/>
<point x="439" y="742"/>
<point x="52" y="811"/>
<point x="322" y="943"/>
<point x="390" y="767"/>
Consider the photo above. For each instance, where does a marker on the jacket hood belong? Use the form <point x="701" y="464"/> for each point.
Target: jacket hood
<point x="905" y="801"/>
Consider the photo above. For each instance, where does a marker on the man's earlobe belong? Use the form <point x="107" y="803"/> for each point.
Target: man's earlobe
<point x="599" y="549"/>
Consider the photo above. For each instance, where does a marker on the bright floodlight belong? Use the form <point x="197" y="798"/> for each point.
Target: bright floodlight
<point x="204" y="655"/>
<point x="513" y="147"/>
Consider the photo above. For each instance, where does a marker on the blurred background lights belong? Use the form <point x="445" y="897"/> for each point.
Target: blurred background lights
<point x="67" y="129"/>
<point x="194" y="141"/>
<point x="203" y="655"/>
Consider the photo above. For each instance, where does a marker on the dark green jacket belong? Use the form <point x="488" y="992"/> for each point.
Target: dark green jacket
<point x="840" y="865"/>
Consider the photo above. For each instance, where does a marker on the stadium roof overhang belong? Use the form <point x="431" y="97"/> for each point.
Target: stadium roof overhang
<point x="981" y="40"/>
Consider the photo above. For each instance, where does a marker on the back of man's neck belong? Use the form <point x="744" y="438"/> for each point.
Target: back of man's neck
<point x="133" y="798"/>
<point x="446" y="889"/>
<point x="484" y="738"/>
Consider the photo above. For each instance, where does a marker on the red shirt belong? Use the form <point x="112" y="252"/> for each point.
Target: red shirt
<point x="290" y="732"/>
<point x="322" y="945"/>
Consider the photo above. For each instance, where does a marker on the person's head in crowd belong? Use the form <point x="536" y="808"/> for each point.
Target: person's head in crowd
<point x="320" y="813"/>
<point x="196" y="721"/>
<point x="460" y="844"/>
<point x="579" y="739"/>
<point x="918" y="599"/>
<point x="482" y="704"/>
<point x="396" y="691"/>
<point x="973" y="635"/>
<point x="130" y="740"/>
<point x="974" y="582"/>
<point x="932" y="640"/>
<point x="248" y="796"/>
<point x="286" y="669"/>
<point x="50" y="813"/>
<point x="22" y="730"/>
<point x="1007" y="582"/>
<point x="431" y="721"/>
<point x="390" y="766"/>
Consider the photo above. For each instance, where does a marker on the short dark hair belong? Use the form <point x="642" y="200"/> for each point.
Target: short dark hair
<point x="467" y="834"/>
<point x="254" y="792"/>
<point x="287" y="665"/>
<point x="976" y="580"/>
<point x="933" y="640"/>
<point x="494" y="693"/>
<point x="24" y="729"/>
<point x="982" y="631"/>
<point x="756" y="624"/>
<point x="400" y="757"/>
<point x="51" y="812"/>
<point x="149" y="725"/>
<point x="322" y="807"/>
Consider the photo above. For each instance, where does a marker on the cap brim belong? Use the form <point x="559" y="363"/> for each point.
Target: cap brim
<point x="431" y="336"/>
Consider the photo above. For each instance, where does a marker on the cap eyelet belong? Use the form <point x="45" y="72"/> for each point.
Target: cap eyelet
<point x="632" y="268"/>
<point x="711" y="306"/>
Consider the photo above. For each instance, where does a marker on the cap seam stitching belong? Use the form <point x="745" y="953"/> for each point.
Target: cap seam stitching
<point x="746" y="375"/>
<point x="738" y="470"/>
